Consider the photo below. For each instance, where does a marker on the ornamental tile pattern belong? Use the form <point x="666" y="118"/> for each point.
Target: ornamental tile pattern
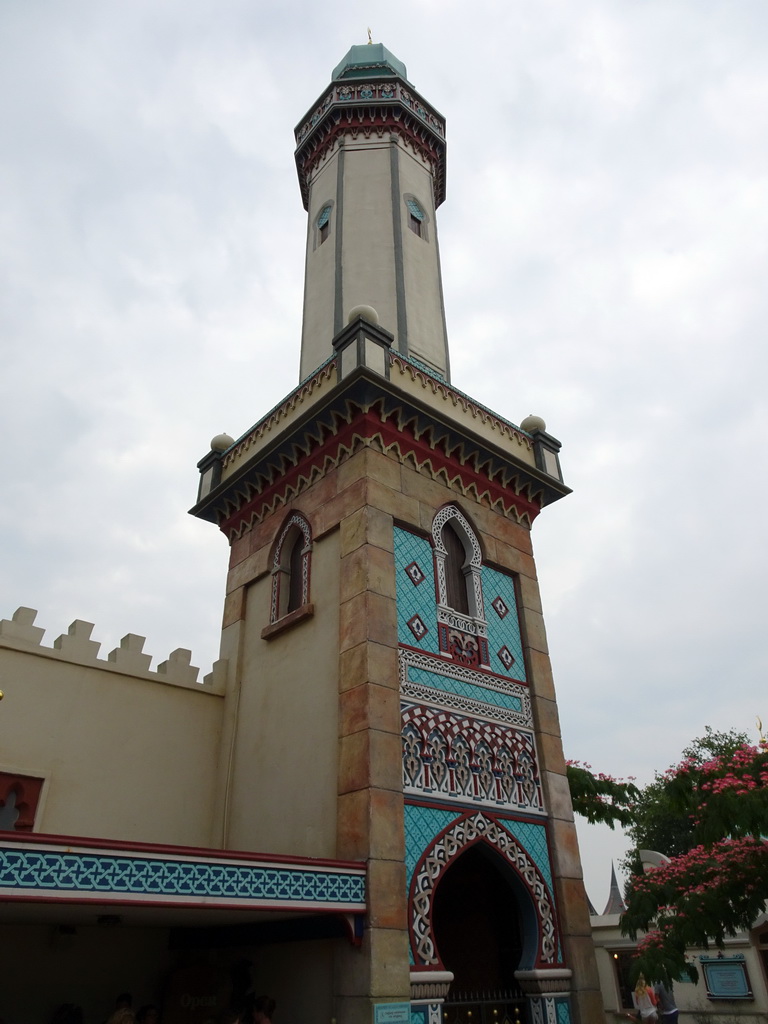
<point x="422" y="824"/>
<point x="415" y="574"/>
<point x="502" y="650"/>
<point x="503" y="630"/>
<point x="415" y="599"/>
<point x="479" y="690"/>
<point x="459" y="835"/>
<point x="422" y="673"/>
<point x="40" y="872"/>
<point x="464" y="758"/>
<point x="506" y="657"/>
<point x="534" y="838"/>
<point x="417" y="627"/>
<point x="550" y="1010"/>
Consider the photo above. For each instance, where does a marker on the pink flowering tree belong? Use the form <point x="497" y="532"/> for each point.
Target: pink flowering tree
<point x="718" y="884"/>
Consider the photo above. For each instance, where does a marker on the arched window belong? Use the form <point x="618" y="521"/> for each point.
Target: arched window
<point x="461" y="626"/>
<point x="295" y="572"/>
<point x="290" y="567"/>
<point x="323" y="224"/>
<point x="455" y="580"/>
<point x="417" y="218"/>
<point x="457" y="561"/>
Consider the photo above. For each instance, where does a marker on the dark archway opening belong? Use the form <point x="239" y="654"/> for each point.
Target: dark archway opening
<point x="477" y="925"/>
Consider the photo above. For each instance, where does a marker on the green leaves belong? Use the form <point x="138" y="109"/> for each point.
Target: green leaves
<point x="600" y="798"/>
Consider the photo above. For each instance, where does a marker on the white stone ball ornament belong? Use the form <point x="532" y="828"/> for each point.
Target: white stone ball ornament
<point x="221" y="442"/>
<point x="366" y="312"/>
<point x="533" y="423"/>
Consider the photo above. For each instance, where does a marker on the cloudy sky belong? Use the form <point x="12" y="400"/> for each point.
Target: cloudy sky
<point x="604" y="259"/>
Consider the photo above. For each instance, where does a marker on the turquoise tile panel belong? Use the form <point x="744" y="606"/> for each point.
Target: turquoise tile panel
<point x="440" y="682"/>
<point x="134" y="875"/>
<point x="534" y="838"/>
<point x="504" y="629"/>
<point x="422" y="824"/>
<point x="563" y="1011"/>
<point x="415" y="599"/>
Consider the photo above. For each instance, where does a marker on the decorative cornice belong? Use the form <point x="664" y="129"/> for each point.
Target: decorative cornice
<point x="389" y="105"/>
<point x="367" y="411"/>
<point x="268" y="423"/>
<point x="439" y="387"/>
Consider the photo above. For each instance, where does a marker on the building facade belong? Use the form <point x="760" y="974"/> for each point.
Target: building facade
<point x="382" y="723"/>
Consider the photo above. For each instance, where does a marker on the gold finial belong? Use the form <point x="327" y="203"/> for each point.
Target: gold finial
<point x="1" y="694"/>
<point x="759" y="722"/>
<point x="370" y="40"/>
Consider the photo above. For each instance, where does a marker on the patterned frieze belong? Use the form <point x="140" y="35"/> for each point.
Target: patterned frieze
<point x="389" y="90"/>
<point x="75" y="872"/>
<point x="305" y="437"/>
<point x="382" y="108"/>
<point x="463" y="758"/>
<point x="450" y="685"/>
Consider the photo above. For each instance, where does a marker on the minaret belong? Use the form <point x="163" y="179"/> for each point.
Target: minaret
<point x="390" y="698"/>
<point x="371" y="161"/>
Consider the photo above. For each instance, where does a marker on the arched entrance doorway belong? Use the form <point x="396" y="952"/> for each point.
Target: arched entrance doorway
<point x="478" y="931"/>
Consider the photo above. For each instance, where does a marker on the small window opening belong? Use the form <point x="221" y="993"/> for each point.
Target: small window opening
<point x="415" y="217"/>
<point x="455" y="579"/>
<point x="324" y="224"/>
<point x="291" y="567"/>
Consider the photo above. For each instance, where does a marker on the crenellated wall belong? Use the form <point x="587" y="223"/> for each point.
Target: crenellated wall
<point x="119" y="756"/>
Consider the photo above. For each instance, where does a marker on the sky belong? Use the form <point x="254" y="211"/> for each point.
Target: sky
<point x="604" y="265"/>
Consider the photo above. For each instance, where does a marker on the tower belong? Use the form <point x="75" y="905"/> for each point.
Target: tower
<point x="390" y="699"/>
<point x="371" y="161"/>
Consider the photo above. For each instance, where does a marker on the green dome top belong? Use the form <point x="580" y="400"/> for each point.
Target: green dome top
<point x="367" y="60"/>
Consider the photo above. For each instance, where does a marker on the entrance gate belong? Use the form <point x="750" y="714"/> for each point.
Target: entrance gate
<point x="479" y="937"/>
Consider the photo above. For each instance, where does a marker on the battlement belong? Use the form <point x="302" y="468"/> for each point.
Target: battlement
<point x="21" y="633"/>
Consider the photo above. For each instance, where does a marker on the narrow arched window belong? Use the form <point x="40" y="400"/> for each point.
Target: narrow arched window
<point x="457" y="563"/>
<point x="291" y="567"/>
<point x="295" y="573"/>
<point x="417" y="219"/>
<point x="455" y="578"/>
<point x="324" y="224"/>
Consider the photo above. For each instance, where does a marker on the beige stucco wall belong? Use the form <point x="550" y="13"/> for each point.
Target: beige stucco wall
<point x="283" y="796"/>
<point x="421" y="264"/>
<point x="368" y="264"/>
<point x="124" y="756"/>
<point x="368" y="250"/>
<point x="320" y="270"/>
